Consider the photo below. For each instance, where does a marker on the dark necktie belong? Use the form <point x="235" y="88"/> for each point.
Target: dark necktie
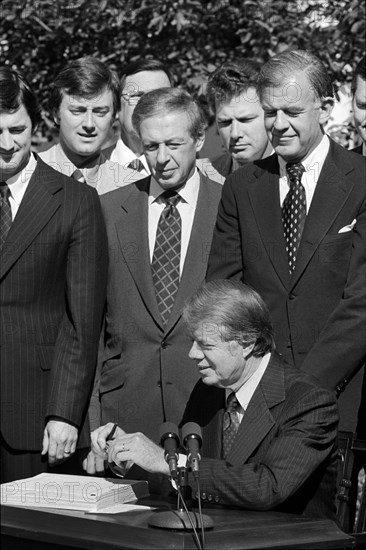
<point x="136" y="164"/>
<point x="166" y="259"/>
<point x="230" y="424"/>
<point x="78" y="176"/>
<point x="5" y="213"/>
<point x="294" y="212"/>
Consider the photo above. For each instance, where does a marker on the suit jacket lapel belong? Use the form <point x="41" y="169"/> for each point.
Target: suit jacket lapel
<point x="132" y="232"/>
<point x="330" y="195"/>
<point x="38" y="205"/>
<point x="258" y="419"/>
<point x="195" y="264"/>
<point x="265" y="201"/>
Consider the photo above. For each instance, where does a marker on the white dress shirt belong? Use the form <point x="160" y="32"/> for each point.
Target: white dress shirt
<point x="124" y="155"/>
<point x="313" y="165"/>
<point x="18" y="185"/>
<point x="246" y="392"/>
<point x="186" y="208"/>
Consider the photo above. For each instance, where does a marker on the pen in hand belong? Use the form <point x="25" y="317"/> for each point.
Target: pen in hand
<point x="110" y="436"/>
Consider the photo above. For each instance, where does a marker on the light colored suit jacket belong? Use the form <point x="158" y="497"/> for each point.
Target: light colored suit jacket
<point x="319" y="313"/>
<point x="284" y="454"/>
<point x="53" y="273"/>
<point x="146" y="376"/>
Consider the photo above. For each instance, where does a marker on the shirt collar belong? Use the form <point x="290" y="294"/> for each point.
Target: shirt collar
<point x="19" y="182"/>
<point x="246" y="392"/>
<point x="314" y="162"/>
<point x="189" y="191"/>
<point x="89" y="171"/>
<point x="128" y="155"/>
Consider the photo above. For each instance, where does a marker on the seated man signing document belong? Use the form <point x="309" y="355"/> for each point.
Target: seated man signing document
<point x="269" y="432"/>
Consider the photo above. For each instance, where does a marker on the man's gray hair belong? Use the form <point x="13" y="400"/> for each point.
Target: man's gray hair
<point x="170" y="100"/>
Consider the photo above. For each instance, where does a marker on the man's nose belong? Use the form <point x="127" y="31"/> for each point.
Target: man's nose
<point x="6" y="141"/>
<point x="195" y="352"/>
<point x="280" y="122"/>
<point x="163" y="155"/>
<point x="236" y="130"/>
<point x="88" y="121"/>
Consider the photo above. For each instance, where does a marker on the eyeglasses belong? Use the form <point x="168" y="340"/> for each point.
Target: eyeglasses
<point x="132" y="97"/>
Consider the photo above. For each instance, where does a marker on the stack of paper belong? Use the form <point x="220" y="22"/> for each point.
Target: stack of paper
<point x="92" y="494"/>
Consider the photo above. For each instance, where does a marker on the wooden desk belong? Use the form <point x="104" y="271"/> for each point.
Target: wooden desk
<point x="234" y="530"/>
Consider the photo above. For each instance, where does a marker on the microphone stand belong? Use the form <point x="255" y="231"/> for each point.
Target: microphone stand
<point x="181" y="518"/>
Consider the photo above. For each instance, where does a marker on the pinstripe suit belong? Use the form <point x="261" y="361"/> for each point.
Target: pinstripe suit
<point x="53" y="276"/>
<point x="284" y="453"/>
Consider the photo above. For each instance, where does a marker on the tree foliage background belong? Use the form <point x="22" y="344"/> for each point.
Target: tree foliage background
<point x="192" y="37"/>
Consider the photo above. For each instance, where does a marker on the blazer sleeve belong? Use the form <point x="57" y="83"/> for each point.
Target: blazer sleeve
<point x="304" y="439"/>
<point x="76" y="347"/>
<point x="341" y="348"/>
<point x="225" y="260"/>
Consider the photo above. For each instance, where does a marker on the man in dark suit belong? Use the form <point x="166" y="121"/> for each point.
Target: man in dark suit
<point x="311" y="274"/>
<point x="232" y="96"/>
<point x="268" y="430"/>
<point x="146" y="376"/>
<point x="52" y="283"/>
<point x="358" y="90"/>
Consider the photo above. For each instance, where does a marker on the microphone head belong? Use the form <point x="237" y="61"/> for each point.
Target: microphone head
<point x="168" y="430"/>
<point x="192" y="430"/>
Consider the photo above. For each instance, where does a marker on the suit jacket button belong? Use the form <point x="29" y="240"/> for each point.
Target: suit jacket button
<point x="210" y="498"/>
<point x="164" y="345"/>
<point x="203" y="496"/>
<point x="292" y="297"/>
<point x="217" y="498"/>
<point x="159" y="383"/>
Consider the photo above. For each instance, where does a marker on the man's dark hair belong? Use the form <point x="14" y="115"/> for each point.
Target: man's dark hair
<point x="145" y="65"/>
<point x="284" y="65"/>
<point x="360" y="71"/>
<point x="168" y="100"/>
<point x="230" y="80"/>
<point x="15" y="91"/>
<point x="233" y="311"/>
<point x="85" y="77"/>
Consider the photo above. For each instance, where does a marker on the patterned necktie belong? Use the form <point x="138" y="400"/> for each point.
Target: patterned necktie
<point x="230" y="424"/>
<point x="78" y="176"/>
<point x="166" y="259"/>
<point x="294" y="212"/>
<point x="136" y="164"/>
<point x="5" y="213"/>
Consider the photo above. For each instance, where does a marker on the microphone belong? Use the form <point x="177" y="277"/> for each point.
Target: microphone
<point x="169" y="440"/>
<point x="192" y="440"/>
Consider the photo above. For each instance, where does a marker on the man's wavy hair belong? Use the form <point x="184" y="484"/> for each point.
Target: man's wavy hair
<point x="86" y="77"/>
<point x="230" y="80"/>
<point x="233" y="311"/>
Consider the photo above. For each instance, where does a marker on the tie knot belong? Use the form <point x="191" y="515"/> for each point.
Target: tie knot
<point x="4" y="190"/>
<point x="136" y="164"/>
<point x="232" y="404"/>
<point x="295" y="171"/>
<point x="78" y="176"/>
<point x="171" y="198"/>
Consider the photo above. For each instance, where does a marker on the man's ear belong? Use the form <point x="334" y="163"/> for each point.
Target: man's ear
<point x="247" y="350"/>
<point x="326" y="108"/>
<point x="199" y="143"/>
<point x="56" y="117"/>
